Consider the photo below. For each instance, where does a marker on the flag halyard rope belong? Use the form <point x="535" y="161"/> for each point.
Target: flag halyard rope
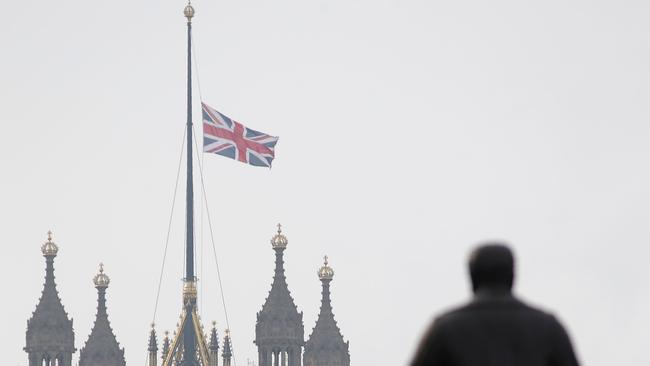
<point x="169" y="227"/>
<point x="214" y="252"/>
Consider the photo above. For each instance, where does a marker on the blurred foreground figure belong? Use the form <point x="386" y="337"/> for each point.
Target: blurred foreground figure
<point x="495" y="328"/>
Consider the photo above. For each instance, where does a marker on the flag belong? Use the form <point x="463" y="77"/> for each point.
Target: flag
<point x="227" y="137"/>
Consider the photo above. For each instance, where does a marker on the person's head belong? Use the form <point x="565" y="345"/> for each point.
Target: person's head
<point x="491" y="266"/>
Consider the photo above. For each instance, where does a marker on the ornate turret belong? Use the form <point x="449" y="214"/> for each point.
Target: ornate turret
<point x="50" y="337"/>
<point x="227" y="349"/>
<point x="102" y="349"/>
<point x="325" y="345"/>
<point x="214" y="345"/>
<point x="279" y="332"/>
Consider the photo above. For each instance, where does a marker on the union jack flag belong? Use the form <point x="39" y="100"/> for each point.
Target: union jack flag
<point x="227" y="137"/>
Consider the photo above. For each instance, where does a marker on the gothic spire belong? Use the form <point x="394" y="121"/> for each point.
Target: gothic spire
<point x="214" y="345"/>
<point x="153" y="341"/>
<point x="279" y="298"/>
<point x="165" y="347"/>
<point x="279" y="332"/>
<point x="227" y="349"/>
<point x="153" y="346"/>
<point x="101" y="348"/>
<point x="325" y="345"/>
<point x="214" y="338"/>
<point x="50" y="335"/>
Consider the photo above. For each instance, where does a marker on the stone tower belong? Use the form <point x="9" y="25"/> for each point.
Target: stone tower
<point x="101" y="349"/>
<point x="50" y="337"/>
<point x="325" y="346"/>
<point x="279" y="331"/>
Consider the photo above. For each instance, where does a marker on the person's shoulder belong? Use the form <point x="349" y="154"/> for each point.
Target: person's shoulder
<point x="454" y="315"/>
<point x="545" y="320"/>
<point x="536" y="312"/>
<point x="510" y="304"/>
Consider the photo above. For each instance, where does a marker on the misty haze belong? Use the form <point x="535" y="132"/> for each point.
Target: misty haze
<point x="346" y="160"/>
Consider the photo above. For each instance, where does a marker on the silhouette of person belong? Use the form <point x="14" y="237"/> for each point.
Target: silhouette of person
<point x="495" y="328"/>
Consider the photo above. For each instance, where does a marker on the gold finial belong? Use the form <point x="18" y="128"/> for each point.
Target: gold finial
<point x="326" y="273"/>
<point x="214" y="323"/>
<point x="189" y="11"/>
<point x="279" y="241"/>
<point x="227" y="332"/>
<point x="166" y="334"/>
<point x="153" y="325"/>
<point x="49" y="248"/>
<point x="101" y="279"/>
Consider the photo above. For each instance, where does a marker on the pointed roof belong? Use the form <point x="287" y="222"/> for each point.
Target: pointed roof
<point x="227" y="346"/>
<point x="214" y="338"/>
<point x="326" y="345"/>
<point x="279" y="321"/>
<point x="153" y="340"/>
<point x="101" y="348"/>
<point x="49" y="329"/>
<point x="166" y="345"/>
<point x="174" y="349"/>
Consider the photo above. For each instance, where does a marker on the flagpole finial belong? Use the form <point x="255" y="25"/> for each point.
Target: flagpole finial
<point x="189" y="11"/>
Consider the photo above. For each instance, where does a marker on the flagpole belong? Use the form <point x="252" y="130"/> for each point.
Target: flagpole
<point x="189" y="199"/>
<point x="189" y="287"/>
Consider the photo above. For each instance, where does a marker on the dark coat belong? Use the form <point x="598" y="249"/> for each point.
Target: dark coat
<point x="495" y="329"/>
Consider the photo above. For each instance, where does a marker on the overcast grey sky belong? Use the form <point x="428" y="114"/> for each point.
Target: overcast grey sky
<point x="409" y="131"/>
